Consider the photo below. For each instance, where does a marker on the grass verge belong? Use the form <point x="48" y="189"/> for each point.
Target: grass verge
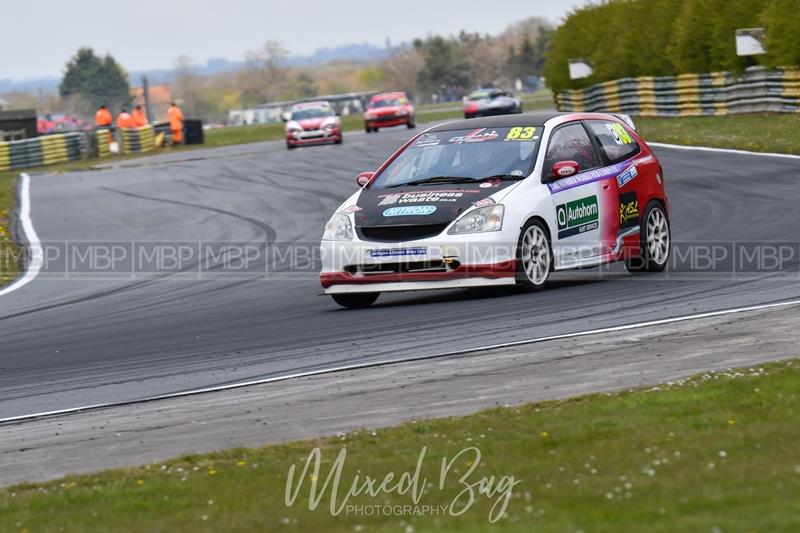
<point x="760" y="132"/>
<point x="715" y="452"/>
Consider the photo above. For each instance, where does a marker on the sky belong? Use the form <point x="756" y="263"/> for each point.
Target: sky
<point x="39" y="36"/>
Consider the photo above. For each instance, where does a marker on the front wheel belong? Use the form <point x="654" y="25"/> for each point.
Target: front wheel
<point x="338" y="140"/>
<point x="412" y="123"/>
<point x="534" y="256"/>
<point x="654" y="246"/>
<point x="356" y="301"/>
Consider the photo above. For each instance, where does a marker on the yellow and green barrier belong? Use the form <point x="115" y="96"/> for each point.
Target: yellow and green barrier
<point x="756" y="90"/>
<point x="138" y="139"/>
<point x="40" y="151"/>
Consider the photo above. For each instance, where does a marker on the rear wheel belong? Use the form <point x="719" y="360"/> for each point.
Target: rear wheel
<point x="356" y="301"/>
<point x="654" y="245"/>
<point x="534" y="256"/>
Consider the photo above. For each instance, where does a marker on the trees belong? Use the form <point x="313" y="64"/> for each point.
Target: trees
<point x="624" y="38"/>
<point x="94" y="81"/>
<point x="264" y="76"/>
<point x="188" y="85"/>
<point x="401" y="70"/>
<point x="446" y="69"/>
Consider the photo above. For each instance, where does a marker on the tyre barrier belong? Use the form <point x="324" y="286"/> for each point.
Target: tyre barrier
<point x="137" y="139"/>
<point x="101" y="139"/>
<point x="39" y="151"/>
<point x="721" y="93"/>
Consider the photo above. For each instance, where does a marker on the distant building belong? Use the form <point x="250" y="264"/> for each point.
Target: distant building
<point x="344" y="104"/>
<point x="3" y="104"/>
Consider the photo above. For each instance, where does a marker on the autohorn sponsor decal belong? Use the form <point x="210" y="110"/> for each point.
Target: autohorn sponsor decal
<point x="628" y="210"/>
<point x="578" y="216"/>
<point x="410" y="210"/>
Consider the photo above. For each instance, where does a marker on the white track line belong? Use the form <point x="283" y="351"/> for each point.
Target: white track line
<point x="722" y="150"/>
<point x="359" y="366"/>
<point x="32" y="240"/>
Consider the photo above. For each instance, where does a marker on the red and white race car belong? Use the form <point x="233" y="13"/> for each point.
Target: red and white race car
<point x="312" y="123"/>
<point x="389" y="109"/>
<point x="499" y="201"/>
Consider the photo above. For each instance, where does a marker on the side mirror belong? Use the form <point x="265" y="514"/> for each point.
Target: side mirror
<point x="364" y="178"/>
<point x="563" y="169"/>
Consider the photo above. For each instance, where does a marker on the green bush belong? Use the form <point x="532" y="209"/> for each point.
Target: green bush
<point x="623" y="38"/>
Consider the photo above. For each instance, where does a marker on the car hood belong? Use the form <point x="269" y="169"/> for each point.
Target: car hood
<point x="391" y="110"/>
<point x="315" y="123"/>
<point x="502" y="101"/>
<point x="424" y="204"/>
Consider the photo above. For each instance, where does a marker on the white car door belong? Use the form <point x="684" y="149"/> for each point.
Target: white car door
<point x="585" y="203"/>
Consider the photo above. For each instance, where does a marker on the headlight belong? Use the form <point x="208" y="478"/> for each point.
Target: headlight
<point x="402" y="113"/>
<point x="329" y="126"/>
<point x="369" y="116"/>
<point x="480" y="220"/>
<point x="338" y="228"/>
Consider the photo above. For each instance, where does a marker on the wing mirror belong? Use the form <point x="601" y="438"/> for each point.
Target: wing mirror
<point x="364" y="178"/>
<point x="564" y="169"/>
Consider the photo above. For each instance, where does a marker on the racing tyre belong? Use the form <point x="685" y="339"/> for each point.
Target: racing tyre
<point x="290" y="146"/>
<point x="412" y="123"/>
<point x="655" y="242"/>
<point x="356" y="301"/>
<point x="534" y="256"/>
<point x="339" y="140"/>
<point x="368" y="130"/>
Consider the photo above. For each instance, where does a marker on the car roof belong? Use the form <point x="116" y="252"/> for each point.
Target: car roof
<point x="501" y="121"/>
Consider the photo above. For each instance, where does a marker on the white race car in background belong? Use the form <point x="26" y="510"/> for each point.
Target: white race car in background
<point x="312" y="123"/>
<point x="499" y="201"/>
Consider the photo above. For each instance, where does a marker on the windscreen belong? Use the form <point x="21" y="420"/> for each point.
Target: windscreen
<point x="464" y="155"/>
<point x="312" y="112"/>
<point x="387" y="102"/>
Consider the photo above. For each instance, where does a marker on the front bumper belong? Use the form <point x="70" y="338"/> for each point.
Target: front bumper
<point x="387" y="122"/>
<point x="313" y="137"/>
<point x="440" y="262"/>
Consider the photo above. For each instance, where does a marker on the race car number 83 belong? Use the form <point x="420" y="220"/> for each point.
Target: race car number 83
<point x="521" y="134"/>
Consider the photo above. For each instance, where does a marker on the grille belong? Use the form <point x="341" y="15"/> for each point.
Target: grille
<point x="399" y="233"/>
<point x="310" y="128"/>
<point x="409" y="267"/>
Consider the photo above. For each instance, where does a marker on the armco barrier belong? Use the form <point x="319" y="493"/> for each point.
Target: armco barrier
<point x="40" y="151"/>
<point x="756" y="90"/>
<point x="138" y="139"/>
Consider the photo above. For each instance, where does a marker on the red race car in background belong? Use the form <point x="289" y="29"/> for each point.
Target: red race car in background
<point x="312" y="123"/>
<point x="389" y="109"/>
